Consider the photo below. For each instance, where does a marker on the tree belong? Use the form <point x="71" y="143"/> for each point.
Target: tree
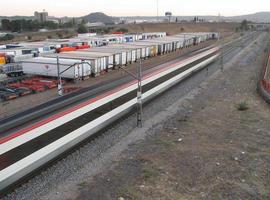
<point x="6" y="24"/>
<point x="16" y="26"/>
<point x="83" y="21"/>
<point x="82" y="29"/>
<point x="244" y="25"/>
<point x="7" y="37"/>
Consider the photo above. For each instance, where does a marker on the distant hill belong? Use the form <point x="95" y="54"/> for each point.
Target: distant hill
<point x="98" y="17"/>
<point x="256" y="17"/>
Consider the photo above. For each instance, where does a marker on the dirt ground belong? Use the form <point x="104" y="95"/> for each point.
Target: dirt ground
<point x="23" y="103"/>
<point x="211" y="151"/>
<point x="174" y="28"/>
<point x="170" y="28"/>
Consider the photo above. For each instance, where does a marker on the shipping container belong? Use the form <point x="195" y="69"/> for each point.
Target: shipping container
<point x="69" y="69"/>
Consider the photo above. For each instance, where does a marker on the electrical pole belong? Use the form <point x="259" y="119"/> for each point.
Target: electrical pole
<point x="221" y="48"/>
<point x="139" y="92"/>
<point x="139" y="96"/>
<point x="60" y="88"/>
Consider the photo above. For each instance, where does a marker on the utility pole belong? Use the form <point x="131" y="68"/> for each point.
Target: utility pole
<point x="139" y="96"/>
<point x="60" y="88"/>
<point x="59" y="73"/>
<point x="139" y="92"/>
<point x="221" y="48"/>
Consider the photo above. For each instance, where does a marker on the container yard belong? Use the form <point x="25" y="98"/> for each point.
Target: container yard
<point x="80" y="58"/>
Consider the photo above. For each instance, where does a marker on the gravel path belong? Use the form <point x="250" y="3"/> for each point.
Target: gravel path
<point x="65" y="178"/>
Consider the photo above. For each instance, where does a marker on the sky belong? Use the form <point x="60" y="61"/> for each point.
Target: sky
<point x="77" y="8"/>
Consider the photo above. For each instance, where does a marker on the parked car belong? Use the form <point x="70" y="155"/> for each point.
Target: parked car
<point x="22" y="91"/>
<point x="8" y="90"/>
<point x="4" y="96"/>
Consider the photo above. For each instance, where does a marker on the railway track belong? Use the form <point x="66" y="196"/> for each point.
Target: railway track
<point x="32" y="147"/>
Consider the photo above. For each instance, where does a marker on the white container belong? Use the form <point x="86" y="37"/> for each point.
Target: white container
<point x="48" y="67"/>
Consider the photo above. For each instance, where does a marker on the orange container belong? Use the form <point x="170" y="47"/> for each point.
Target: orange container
<point x="66" y="49"/>
<point x="83" y="47"/>
<point x="2" y="60"/>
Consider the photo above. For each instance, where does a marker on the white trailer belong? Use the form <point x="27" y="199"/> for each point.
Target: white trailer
<point x="69" y="68"/>
<point x="153" y="48"/>
<point x="125" y="56"/>
<point x="111" y="59"/>
<point x="98" y="63"/>
<point x="146" y="36"/>
<point x="188" y="39"/>
<point x="162" y="47"/>
<point x="176" y="43"/>
<point x="145" y="49"/>
<point x="136" y="51"/>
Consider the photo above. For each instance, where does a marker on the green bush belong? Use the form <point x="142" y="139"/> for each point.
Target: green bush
<point x="7" y="37"/>
<point x="124" y="30"/>
<point x="242" y="106"/>
<point x="82" y="29"/>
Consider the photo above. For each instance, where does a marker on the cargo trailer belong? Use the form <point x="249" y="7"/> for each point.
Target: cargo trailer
<point x="98" y="63"/>
<point x="70" y="69"/>
<point x="111" y="59"/>
<point x="145" y="49"/>
<point x="188" y="39"/>
<point x="146" y="36"/>
<point x="162" y="47"/>
<point x="125" y="56"/>
<point x="136" y="51"/>
<point x="153" y="48"/>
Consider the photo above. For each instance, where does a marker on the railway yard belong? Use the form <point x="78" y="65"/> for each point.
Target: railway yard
<point x="84" y="144"/>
